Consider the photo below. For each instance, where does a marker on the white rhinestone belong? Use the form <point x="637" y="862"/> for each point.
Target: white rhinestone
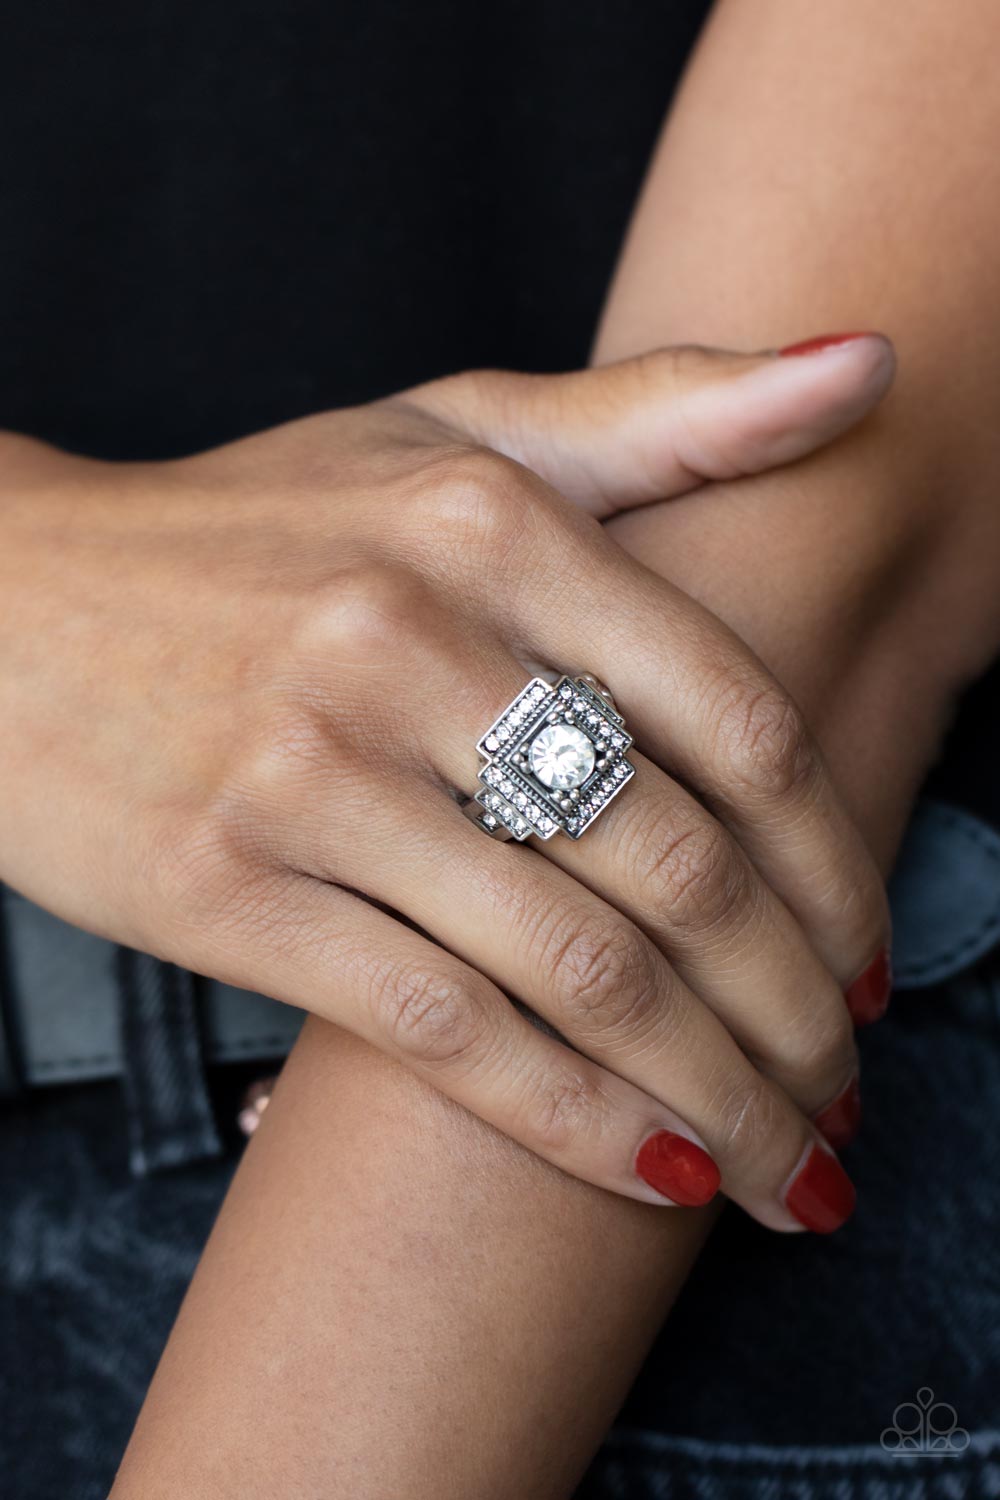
<point x="492" y="775"/>
<point x="565" y="691"/>
<point x="533" y="812"/>
<point x="618" y="740"/>
<point x="593" y="719"/>
<point x="520" y="826"/>
<point x="506" y="787"/>
<point x="520" y="800"/>
<point x="494" y="801"/>
<point x="491" y="742"/>
<point x="503" y="733"/>
<point x="489" y="820"/>
<point x="546" y="825"/>
<point x="580" y="705"/>
<point x="538" y="692"/>
<point x="562" y="756"/>
<point x="620" y="772"/>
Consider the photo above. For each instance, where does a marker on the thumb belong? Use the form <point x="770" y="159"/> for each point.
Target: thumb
<point x="656" y="426"/>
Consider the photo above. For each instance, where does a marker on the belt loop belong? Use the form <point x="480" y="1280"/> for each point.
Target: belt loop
<point x="166" y="1092"/>
<point x="11" y="1069"/>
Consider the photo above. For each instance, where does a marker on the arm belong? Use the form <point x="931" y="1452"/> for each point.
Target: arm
<point x="397" y="1301"/>
<point x="841" y="160"/>
<point x="494" y="1313"/>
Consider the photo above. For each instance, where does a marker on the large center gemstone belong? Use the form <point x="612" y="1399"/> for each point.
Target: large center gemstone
<point x="561" y="756"/>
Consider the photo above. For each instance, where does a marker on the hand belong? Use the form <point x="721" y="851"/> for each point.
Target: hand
<point x="240" y="690"/>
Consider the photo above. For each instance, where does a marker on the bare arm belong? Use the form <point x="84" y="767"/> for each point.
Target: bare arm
<point x="399" y="1302"/>
<point x="840" y="161"/>
<point x="396" y="1300"/>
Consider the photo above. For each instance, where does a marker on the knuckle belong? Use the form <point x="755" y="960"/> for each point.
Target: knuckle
<point x="561" y="1110"/>
<point x="683" y="366"/>
<point x="363" y="613"/>
<point x="748" y="1117"/>
<point x="293" y="748"/>
<point x="693" y="874"/>
<point x="818" y="1047"/>
<point x="607" y="974"/>
<point x="202" y="854"/>
<point x="432" y="1018"/>
<point x="482" y="500"/>
<point x="198" y="863"/>
<point x="763" y="737"/>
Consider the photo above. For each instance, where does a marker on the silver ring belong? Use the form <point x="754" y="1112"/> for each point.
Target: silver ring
<point x="553" y="760"/>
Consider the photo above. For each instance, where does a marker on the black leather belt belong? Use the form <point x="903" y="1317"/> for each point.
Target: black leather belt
<point x="66" y="997"/>
<point x="76" y="1008"/>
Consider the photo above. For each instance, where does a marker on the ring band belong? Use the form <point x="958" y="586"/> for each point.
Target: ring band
<point x="554" y="759"/>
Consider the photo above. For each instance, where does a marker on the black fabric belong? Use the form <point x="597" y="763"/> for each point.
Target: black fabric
<point x="214" y="217"/>
<point x="968" y="772"/>
<point x="11" y="1068"/>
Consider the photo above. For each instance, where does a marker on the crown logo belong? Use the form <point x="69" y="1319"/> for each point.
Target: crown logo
<point x="924" y="1428"/>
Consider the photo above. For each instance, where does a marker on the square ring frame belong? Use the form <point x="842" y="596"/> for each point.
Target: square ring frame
<point x="512" y="801"/>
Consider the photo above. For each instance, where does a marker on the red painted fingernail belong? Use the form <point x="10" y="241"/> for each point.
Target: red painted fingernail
<point x="821" y="1195"/>
<point x="868" y="997"/>
<point x="678" y="1169"/>
<point x="825" y="341"/>
<point x="841" y="1120"/>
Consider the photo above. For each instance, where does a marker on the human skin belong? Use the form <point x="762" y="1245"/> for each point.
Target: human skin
<point x="242" y="690"/>
<point x="429" y="1311"/>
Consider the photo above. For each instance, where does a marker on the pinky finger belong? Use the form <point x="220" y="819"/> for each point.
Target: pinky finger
<point x="355" y="965"/>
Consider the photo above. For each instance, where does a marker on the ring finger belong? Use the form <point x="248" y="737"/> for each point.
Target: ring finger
<point x="659" y="857"/>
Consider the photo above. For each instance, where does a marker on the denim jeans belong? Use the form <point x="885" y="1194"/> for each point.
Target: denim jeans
<point x="792" y="1368"/>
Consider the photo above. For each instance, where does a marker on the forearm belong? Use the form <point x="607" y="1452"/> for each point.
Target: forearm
<point x="399" y="1301"/>
<point x="835" y="167"/>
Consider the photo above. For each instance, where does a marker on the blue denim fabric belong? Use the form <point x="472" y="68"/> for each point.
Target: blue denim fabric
<point x="94" y="1262"/>
<point x="786" y="1357"/>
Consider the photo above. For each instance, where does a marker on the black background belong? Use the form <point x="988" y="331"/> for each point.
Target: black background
<point x="215" y="217"/>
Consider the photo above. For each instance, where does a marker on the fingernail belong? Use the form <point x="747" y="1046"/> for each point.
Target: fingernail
<point x="868" y="997"/>
<point x="840" y="1121"/>
<point x="821" y="1195"/>
<point x="824" y="341"/>
<point x="678" y="1169"/>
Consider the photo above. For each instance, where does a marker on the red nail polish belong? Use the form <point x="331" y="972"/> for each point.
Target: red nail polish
<point x="825" y="341"/>
<point x="868" y="997"/>
<point x="841" y="1120"/>
<point x="822" y="1195"/>
<point x="678" y="1169"/>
